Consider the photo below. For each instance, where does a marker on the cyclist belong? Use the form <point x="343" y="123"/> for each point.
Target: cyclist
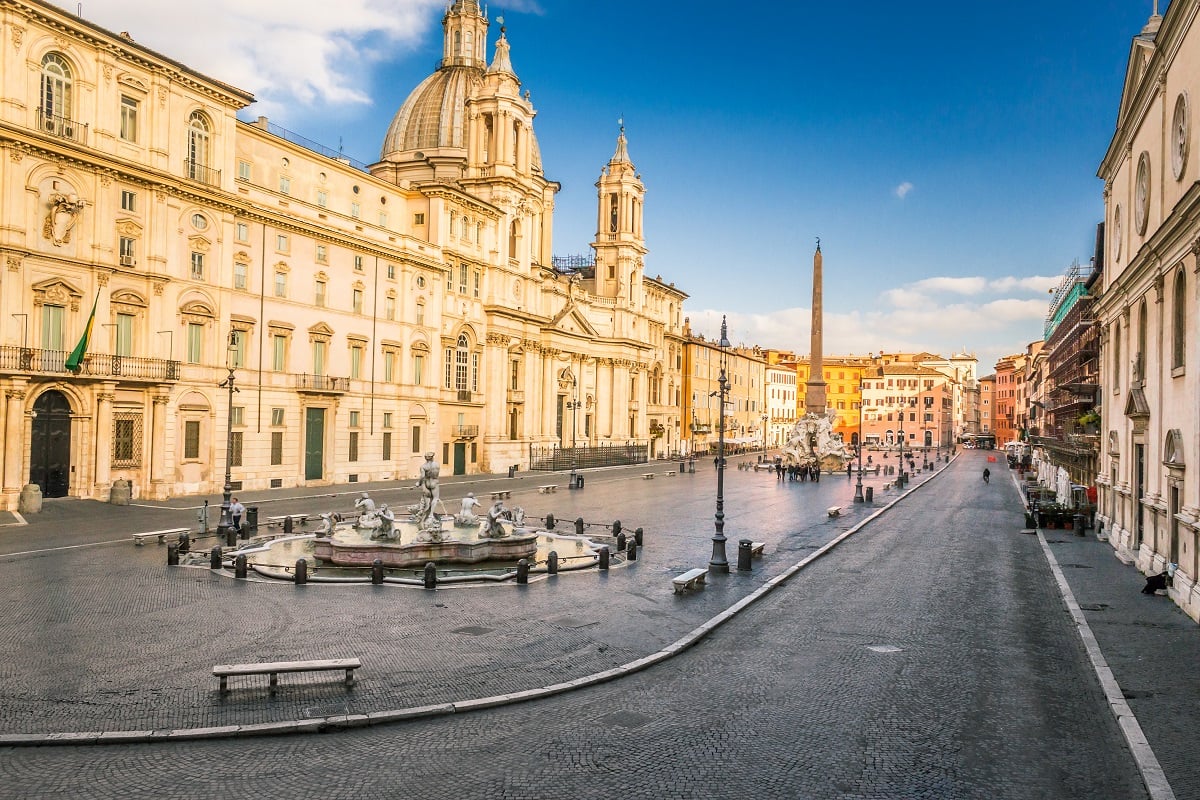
<point x="987" y="475"/>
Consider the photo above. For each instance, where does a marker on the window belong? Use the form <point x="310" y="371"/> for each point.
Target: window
<point x="387" y="419"/>
<point x="237" y="348"/>
<point x="191" y="439"/>
<point x="418" y="218"/>
<point x="128" y="200"/>
<point x="462" y="278"/>
<point x="235" y="448"/>
<point x="515" y="375"/>
<point x="281" y="242"/>
<point x="389" y="307"/>
<point x="239" y="275"/>
<point x="197" y="266"/>
<point x="352" y="453"/>
<point x="128" y="254"/>
<point x="276" y="448"/>
<point x="387" y="446"/>
<point x="416" y="438"/>
<point x="420" y="314"/>
<point x="198" y="146"/>
<point x="129" y="119"/>
<point x="319" y="299"/>
<point x="358" y="263"/>
<point x="322" y="254"/>
<point x="244" y="170"/>
<point x="356" y="301"/>
<point x="285" y="184"/>
<point x="476" y="277"/>
<point x="280" y="284"/>
<point x="243" y="232"/>
<point x="199" y="222"/>
<point x="389" y="366"/>
<point x="277" y="416"/>
<point x="461" y="354"/>
<point x="195" y="342"/>
<point x="238" y="416"/>
<point x="355" y="419"/>
<point x="125" y="334"/>
<point x="418" y="370"/>
<point x="319" y="351"/>
<point x="383" y="219"/>
<point x="355" y="210"/>
<point x="125" y="436"/>
<point x="356" y="357"/>
<point x="391" y="272"/>
<point x="56" y="90"/>
<point x="278" y="357"/>
<point x="1179" y="323"/>
<point x="322" y="198"/>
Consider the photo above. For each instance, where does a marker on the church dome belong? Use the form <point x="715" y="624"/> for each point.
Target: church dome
<point x="434" y="115"/>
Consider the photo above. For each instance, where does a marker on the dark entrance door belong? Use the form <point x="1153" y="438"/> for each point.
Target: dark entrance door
<point x="314" y="444"/>
<point x="460" y="458"/>
<point x="50" y="445"/>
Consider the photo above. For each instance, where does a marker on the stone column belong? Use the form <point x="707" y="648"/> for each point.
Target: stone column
<point x="158" y="442"/>
<point x="103" y="434"/>
<point x="549" y="395"/>
<point x="495" y="407"/>
<point x="14" y="437"/>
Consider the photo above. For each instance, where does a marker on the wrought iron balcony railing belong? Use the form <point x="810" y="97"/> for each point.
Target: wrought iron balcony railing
<point x="321" y="383"/>
<point x="61" y="127"/>
<point x="466" y="431"/>
<point x="196" y="171"/>
<point x="99" y="365"/>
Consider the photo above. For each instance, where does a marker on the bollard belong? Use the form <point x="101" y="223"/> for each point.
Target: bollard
<point x="523" y="571"/>
<point x="870" y="492"/>
<point x="552" y="563"/>
<point x="430" y="575"/>
<point x="214" y="557"/>
<point x="744" y="555"/>
<point x="603" y="558"/>
<point x="377" y="571"/>
<point x="287" y="524"/>
<point x="616" y="527"/>
<point x="579" y="482"/>
<point x="172" y="555"/>
<point x="632" y="553"/>
<point x="301" y="572"/>
<point x="579" y="526"/>
<point x="637" y="537"/>
<point x="549" y="522"/>
<point x="620" y="541"/>
<point x="185" y="543"/>
<point x="239" y="566"/>
<point x="230" y="537"/>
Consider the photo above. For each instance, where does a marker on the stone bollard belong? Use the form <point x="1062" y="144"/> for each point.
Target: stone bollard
<point x="549" y="522"/>
<point x="552" y="563"/>
<point x="184" y="544"/>
<point x="30" y="499"/>
<point x="239" y="566"/>
<point x="377" y="571"/>
<point x="870" y="492"/>
<point x="214" y="557"/>
<point x="604" y="558"/>
<point x="301" y="572"/>
<point x="616" y="527"/>
<point x="523" y="571"/>
<point x="120" y="493"/>
<point x="631" y="554"/>
<point x="744" y="555"/>
<point x="579" y="526"/>
<point x="637" y="537"/>
<point x="287" y="524"/>
<point x="430" y="575"/>
<point x="620" y="542"/>
<point x="230" y="537"/>
<point x="172" y="555"/>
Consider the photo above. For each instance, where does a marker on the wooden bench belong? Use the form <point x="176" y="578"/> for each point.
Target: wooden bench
<point x="647" y="476"/>
<point x="503" y="495"/>
<point x="140" y="538"/>
<point x="834" y="511"/>
<point x="548" y="489"/>
<point x="690" y="579"/>
<point x="273" y="668"/>
<point x="756" y="549"/>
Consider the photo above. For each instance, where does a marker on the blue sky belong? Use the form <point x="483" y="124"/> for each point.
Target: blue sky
<point x="944" y="153"/>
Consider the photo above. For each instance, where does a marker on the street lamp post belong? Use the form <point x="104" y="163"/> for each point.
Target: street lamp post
<point x="719" y="563"/>
<point x="573" y="407"/>
<point x="858" y="489"/>
<point x="225" y="525"/>
<point x="764" y="432"/>
<point x="903" y="476"/>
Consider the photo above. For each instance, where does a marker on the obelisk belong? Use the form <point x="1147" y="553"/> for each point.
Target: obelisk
<point x="814" y="398"/>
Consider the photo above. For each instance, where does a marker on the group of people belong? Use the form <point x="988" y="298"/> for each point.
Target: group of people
<point x="797" y="472"/>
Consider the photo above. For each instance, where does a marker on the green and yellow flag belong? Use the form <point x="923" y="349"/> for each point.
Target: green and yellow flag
<point x="75" y="360"/>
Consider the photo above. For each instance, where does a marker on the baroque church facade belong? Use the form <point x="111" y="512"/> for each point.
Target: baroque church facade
<point x="368" y="314"/>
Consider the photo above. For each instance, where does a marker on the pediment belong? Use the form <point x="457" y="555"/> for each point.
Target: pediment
<point x="321" y="329"/>
<point x="199" y="244"/>
<point x="571" y="320"/>
<point x="129" y="229"/>
<point x="57" y="291"/>
<point x="1140" y="53"/>
<point x="1136" y="406"/>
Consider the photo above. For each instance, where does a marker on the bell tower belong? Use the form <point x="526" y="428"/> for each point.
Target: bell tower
<point x="464" y="41"/>
<point x="620" y="246"/>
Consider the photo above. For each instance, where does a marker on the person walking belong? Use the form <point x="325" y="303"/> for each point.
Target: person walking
<point x="987" y="475"/>
<point x="236" y="510"/>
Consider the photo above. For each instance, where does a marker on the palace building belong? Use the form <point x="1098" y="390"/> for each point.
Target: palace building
<point x="366" y="313"/>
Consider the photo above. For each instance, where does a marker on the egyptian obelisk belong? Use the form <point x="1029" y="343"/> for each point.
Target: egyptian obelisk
<point x="814" y="398"/>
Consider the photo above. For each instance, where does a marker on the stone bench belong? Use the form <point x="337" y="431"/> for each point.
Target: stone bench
<point x="140" y="538"/>
<point x="669" y="472"/>
<point x="502" y="495"/>
<point x="548" y="489"/>
<point x="690" y="579"/>
<point x="756" y="549"/>
<point x="647" y="476"/>
<point x="273" y="668"/>
<point x="834" y="511"/>
<point x="297" y="519"/>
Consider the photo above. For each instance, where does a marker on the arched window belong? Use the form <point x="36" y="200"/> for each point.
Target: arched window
<point x="1179" y="322"/>
<point x="199" y="136"/>
<point x="56" y="88"/>
<point x="461" y="362"/>
<point x="514" y="230"/>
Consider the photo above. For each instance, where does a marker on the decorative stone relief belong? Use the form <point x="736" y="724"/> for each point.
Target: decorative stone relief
<point x="18" y="36"/>
<point x="62" y="215"/>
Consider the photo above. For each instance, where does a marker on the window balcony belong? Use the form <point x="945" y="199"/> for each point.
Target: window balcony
<point x="61" y="127"/>
<point x="466" y="431"/>
<point x="200" y="173"/>
<point x="95" y="365"/>
<point x="321" y="384"/>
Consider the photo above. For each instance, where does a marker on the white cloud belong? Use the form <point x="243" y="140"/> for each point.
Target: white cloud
<point x="903" y="189"/>
<point x="284" y="51"/>
<point x="953" y="285"/>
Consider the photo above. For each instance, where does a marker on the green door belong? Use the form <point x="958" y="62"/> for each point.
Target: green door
<point x="460" y="458"/>
<point x="314" y="444"/>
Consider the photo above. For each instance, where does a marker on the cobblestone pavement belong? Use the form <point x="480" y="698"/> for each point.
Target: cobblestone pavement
<point x="928" y="655"/>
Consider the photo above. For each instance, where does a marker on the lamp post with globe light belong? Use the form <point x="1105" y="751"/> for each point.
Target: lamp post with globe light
<point x="718" y="562"/>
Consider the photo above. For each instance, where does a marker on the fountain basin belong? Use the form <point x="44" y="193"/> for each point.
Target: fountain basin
<point x="346" y="552"/>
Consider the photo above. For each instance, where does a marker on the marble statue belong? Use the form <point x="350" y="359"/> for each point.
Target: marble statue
<point x="466" y="516"/>
<point x="424" y="514"/>
<point x="494" y="527"/>
<point x="368" y="517"/>
<point x="387" y="524"/>
<point x="813" y="442"/>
